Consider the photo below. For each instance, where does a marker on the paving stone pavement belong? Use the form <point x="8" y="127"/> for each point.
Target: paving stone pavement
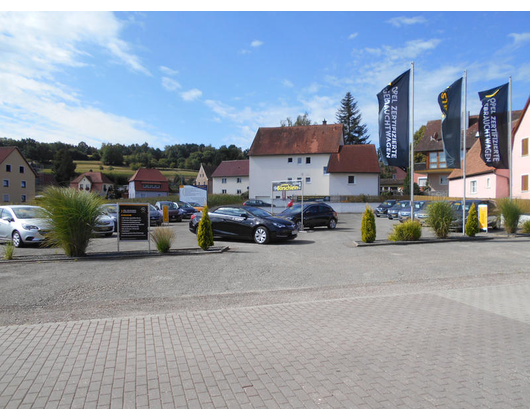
<point x="466" y="348"/>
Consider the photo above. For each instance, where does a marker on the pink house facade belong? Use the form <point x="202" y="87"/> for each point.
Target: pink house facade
<point x="521" y="156"/>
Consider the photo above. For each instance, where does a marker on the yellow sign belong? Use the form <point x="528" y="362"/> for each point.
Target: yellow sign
<point x="483" y="217"/>
<point x="165" y="214"/>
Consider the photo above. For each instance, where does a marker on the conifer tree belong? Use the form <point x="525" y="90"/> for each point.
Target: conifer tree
<point x="368" y="226"/>
<point x="350" y="117"/>
<point x="205" y="232"/>
<point x="472" y="225"/>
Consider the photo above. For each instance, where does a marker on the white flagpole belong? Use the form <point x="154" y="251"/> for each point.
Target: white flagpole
<point x="510" y="133"/>
<point x="464" y="133"/>
<point x="411" y="132"/>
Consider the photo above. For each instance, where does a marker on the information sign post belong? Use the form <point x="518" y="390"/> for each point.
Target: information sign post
<point x="133" y="223"/>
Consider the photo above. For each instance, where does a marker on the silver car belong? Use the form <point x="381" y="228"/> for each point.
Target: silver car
<point x="23" y="224"/>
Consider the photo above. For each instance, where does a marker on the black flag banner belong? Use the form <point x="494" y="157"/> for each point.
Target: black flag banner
<point x="394" y="121"/>
<point x="493" y="127"/>
<point x="450" y="101"/>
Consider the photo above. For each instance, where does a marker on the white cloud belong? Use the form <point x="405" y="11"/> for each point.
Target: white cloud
<point x="191" y="95"/>
<point x="256" y="43"/>
<point x="520" y="38"/>
<point x="287" y="83"/>
<point x="168" y="71"/>
<point x="243" y="52"/>
<point x="404" y="20"/>
<point x="170" y="84"/>
<point x="354" y="35"/>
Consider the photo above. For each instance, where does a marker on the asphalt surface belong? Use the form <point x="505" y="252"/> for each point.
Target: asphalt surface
<point x="311" y="323"/>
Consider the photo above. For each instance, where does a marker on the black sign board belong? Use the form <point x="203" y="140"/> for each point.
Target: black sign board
<point x="133" y="222"/>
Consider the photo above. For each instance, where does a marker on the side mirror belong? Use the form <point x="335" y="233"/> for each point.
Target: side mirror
<point x="244" y="215"/>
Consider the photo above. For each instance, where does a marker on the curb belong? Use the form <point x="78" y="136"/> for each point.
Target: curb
<point x="424" y="241"/>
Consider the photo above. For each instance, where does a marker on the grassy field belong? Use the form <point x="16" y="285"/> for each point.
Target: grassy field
<point x="86" y="165"/>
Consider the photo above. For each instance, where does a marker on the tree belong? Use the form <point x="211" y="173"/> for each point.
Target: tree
<point x="300" y="121"/>
<point x="368" y="225"/>
<point x="472" y="225"/>
<point x="350" y="117"/>
<point x="63" y="166"/>
<point x="204" y="231"/>
<point x="112" y="154"/>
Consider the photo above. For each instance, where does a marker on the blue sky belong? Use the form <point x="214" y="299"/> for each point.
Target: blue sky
<point x="216" y="77"/>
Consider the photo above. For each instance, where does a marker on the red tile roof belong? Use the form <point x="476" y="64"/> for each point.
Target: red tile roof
<point x="474" y="164"/>
<point x="93" y="177"/>
<point x="309" y="139"/>
<point x="354" y="158"/>
<point x="148" y="174"/>
<point x="232" y="168"/>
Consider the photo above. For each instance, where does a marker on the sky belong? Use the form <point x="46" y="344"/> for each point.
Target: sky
<point x="215" y="77"/>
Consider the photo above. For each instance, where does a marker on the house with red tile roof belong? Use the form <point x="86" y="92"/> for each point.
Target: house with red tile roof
<point x="95" y="182"/>
<point x="521" y="155"/>
<point x="315" y="154"/>
<point x="148" y="182"/>
<point x="231" y="177"/>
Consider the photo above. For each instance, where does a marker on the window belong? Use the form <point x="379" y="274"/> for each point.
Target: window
<point x="6" y="198"/>
<point x="325" y="170"/>
<point x="6" y="182"/>
<point x="223" y="180"/>
<point x="351" y="179"/>
<point x="299" y="178"/>
<point x="23" y="198"/>
<point x="524" y="183"/>
<point x="238" y="192"/>
<point x="488" y="182"/>
<point x="422" y="182"/>
<point x="524" y="148"/>
<point x="8" y="168"/>
<point x="289" y="160"/>
<point x="299" y="161"/>
<point x="308" y="160"/>
<point x="23" y="184"/>
<point x="239" y="180"/>
<point x="437" y="160"/>
<point x="289" y="179"/>
<point x="81" y="186"/>
<point x="473" y="187"/>
<point x="308" y="180"/>
<point x="21" y="169"/>
<point x="444" y="180"/>
<point x="223" y="191"/>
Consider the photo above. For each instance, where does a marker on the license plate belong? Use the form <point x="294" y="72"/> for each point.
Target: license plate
<point x="294" y="232"/>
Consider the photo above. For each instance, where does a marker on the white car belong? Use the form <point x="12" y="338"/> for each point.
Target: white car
<point x="23" y="224"/>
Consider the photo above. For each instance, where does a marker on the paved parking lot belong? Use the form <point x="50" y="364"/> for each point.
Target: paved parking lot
<point x="314" y="322"/>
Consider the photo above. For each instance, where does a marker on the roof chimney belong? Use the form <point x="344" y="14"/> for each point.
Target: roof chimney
<point x="324" y="122"/>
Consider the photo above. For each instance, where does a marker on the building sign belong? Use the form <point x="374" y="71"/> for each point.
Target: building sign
<point x="287" y="186"/>
<point x="133" y="222"/>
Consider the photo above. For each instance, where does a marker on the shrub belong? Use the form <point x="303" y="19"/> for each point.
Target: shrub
<point x="526" y="226"/>
<point x="204" y="231"/>
<point x="472" y="226"/>
<point x="9" y="250"/>
<point x="440" y="216"/>
<point x="73" y="216"/>
<point x="163" y="238"/>
<point x="407" y="231"/>
<point x="511" y="211"/>
<point x="368" y="226"/>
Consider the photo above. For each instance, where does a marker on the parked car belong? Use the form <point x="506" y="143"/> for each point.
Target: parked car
<point x="112" y="211"/>
<point x="392" y="212"/>
<point x="155" y="216"/>
<point x="493" y="219"/>
<point x="187" y="209"/>
<point x="257" y="203"/>
<point x="315" y="214"/>
<point x="196" y="206"/>
<point x="175" y="214"/>
<point x="23" y="224"/>
<point x="382" y="209"/>
<point x="404" y="213"/>
<point x="104" y="225"/>
<point x="246" y="222"/>
<point x="422" y="215"/>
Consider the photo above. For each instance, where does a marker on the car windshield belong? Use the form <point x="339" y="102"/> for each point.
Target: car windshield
<point x="418" y="205"/>
<point x="194" y="204"/>
<point x="258" y="212"/>
<point x="457" y="205"/>
<point x="29" y="212"/>
<point x="152" y="208"/>
<point x="388" y="203"/>
<point x="111" y="208"/>
<point x="170" y="205"/>
<point x="185" y="205"/>
<point x="404" y="204"/>
<point x="296" y="208"/>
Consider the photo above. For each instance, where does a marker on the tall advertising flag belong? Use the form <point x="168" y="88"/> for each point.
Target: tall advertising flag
<point x="394" y="121"/>
<point x="493" y="127"/>
<point x="450" y="101"/>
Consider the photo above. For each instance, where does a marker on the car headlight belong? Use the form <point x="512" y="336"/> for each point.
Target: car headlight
<point x="278" y="225"/>
<point x="29" y="227"/>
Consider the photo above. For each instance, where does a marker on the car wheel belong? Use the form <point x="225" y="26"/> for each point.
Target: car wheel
<point x="376" y="215"/>
<point x="332" y="224"/>
<point x="17" y="240"/>
<point x="299" y="226"/>
<point x="108" y="234"/>
<point x="261" y="235"/>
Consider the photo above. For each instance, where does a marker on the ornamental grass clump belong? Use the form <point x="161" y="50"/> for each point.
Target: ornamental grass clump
<point x="73" y="216"/>
<point x="204" y="231"/>
<point x="511" y="211"/>
<point x="526" y="226"/>
<point x="163" y="238"/>
<point x="407" y="231"/>
<point x="9" y="250"/>
<point x="472" y="225"/>
<point x="368" y="226"/>
<point x="440" y="216"/>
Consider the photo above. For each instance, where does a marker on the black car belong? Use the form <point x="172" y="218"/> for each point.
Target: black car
<point x="493" y="219"/>
<point x="257" y="203"/>
<point x="187" y="209"/>
<point x="315" y="214"/>
<point x="175" y="214"/>
<point x="155" y="216"/>
<point x="382" y="209"/>
<point x="243" y="222"/>
<point x="393" y="211"/>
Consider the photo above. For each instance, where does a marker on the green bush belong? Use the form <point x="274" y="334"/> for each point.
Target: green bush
<point x="73" y="216"/>
<point x="440" y="216"/>
<point x="204" y="231"/>
<point x="407" y="231"/>
<point x="368" y="226"/>
<point x="472" y="226"/>
<point x="511" y="211"/>
<point x="526" y="227"/>
<point x="9" y="250"/>
<point x="163" y="238"/>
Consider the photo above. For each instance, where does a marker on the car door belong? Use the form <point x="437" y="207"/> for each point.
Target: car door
<point x="239" y="222"/>
<point x="219" y="221"/>
<point x="310" y="216"/>
<point x="5" y="224"/>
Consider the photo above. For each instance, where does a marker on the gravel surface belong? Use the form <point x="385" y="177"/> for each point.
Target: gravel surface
<point x="319" y="264"/>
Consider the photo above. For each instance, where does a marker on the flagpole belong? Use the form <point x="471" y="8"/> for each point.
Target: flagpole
<point x="464" y="124"/>
<point x="411" y="133"/>
<point x="510" y="133"/>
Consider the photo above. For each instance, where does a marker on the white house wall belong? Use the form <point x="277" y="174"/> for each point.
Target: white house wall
<point x="264" y="170"/>
<point x="364" y="184"/>
<point x="231" y="185"/>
